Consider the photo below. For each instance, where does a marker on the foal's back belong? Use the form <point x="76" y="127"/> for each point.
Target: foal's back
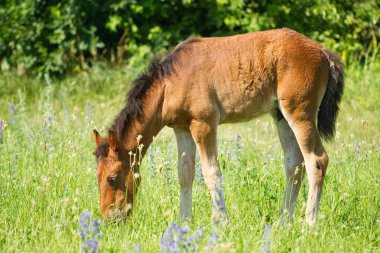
<point x="232" y="79"/>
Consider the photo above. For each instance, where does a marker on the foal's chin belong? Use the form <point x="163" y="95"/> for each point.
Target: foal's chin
<point x="116" y="215"/>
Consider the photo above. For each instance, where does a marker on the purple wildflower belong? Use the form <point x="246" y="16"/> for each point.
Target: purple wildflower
<point x="357" y="149"/>
<point x="12" y="111"/>
<point x="137" y="248"/>
<point x="49" y="118"/>
<point x="267" y="239"/>
<point x="89" y="233"/>
<point x="219" y="211"/>
<point x="229" y="156"/>
<point x="48" y="122"/>
<point x="151" y="161"/>
<point x="198" y="174"/>
<point x="31" y="139"/>
<point x="1" y="133"/>
<point x="237" y="146"/>
<point x="90" y="111"/>
<point x="65" y="114"/>
<point x="14" y="163"/>
<point x="178" y="239"/>
<point x="96" y="226"/>
<point x="219" y="205"/>
<point x="214" y="238"/>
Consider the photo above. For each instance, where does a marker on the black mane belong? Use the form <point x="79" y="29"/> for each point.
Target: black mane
<point x="159" y="67"/>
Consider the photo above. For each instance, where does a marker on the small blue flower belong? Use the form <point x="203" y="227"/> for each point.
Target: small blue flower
<point x="219" y="208"/>
<point x="65" y="114"/>
<point x="12" y="112"/>
<point x="137" y="248"/>
<point x="178" y="239"/>
<point x="14" y="163"/>
<point x="214" y="238"/>
<point x="49" y="118"/>
<point x="31" y="139"/>
<point x="90" y="111"/>
<point x="89" y="232"/>
<point x="219" y="205"/>
<point x="96" y="226"/>
<point x="357" y="149"/>
<point x="1" y="133"/>
<point x="267" y="239"/>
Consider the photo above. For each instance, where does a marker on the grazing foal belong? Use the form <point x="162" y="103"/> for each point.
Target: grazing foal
<point x="204" y="82"/>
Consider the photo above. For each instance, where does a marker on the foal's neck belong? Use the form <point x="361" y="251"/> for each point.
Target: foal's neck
<point x="148" y="125"/>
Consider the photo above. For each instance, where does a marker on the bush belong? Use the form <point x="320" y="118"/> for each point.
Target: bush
<point x="50" y="36"/>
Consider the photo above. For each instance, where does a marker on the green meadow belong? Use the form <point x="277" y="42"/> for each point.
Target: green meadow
<point x="48" y="173"/>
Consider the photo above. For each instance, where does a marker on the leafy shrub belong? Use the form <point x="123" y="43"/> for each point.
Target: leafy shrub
<point x="51" y="36"/>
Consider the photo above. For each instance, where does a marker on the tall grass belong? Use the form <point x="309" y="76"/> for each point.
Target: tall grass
<point x="47" y="174"/>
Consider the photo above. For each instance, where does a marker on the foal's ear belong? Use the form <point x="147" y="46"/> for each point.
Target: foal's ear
<point x="112" y="140"/>
<point x="98" y="139"/>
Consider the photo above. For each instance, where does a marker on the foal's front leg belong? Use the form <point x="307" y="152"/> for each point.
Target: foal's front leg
<point x="205" y="137"/>
<point x="186" y="170"/>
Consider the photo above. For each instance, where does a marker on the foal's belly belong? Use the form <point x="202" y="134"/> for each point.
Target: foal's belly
<point x="247" y="111"/>
<point x="246" y="102"/>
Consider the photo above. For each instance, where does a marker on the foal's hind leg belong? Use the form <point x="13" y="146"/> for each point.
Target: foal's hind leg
<point x="294" y="170"/>
<point x="205" y="137"/>
<point x="302" y="122"/>
<point x="186" y="170"/>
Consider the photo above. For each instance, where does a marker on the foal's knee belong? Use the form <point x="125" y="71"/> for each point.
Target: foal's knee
<point x="293" y="164"/>
<point x="318" y="170"/>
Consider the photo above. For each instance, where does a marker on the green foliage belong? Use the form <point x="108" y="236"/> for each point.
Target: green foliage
<point x="45" y="36"/>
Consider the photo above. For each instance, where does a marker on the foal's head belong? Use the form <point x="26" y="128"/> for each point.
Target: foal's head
<point x="112" y="172"/>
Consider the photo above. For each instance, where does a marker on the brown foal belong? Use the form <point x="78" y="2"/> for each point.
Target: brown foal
<point x="204" y="82"/>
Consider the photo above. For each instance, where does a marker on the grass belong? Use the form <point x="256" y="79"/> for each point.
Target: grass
<point x="47" y="173"/>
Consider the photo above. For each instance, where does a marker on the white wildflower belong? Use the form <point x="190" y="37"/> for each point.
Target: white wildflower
<point x="3" y="124"/>
<point x="45" y="181"/>
<point x="297" y="170"/>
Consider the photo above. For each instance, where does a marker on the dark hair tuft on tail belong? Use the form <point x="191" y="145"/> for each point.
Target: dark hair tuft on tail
<point x="328" y="111"/>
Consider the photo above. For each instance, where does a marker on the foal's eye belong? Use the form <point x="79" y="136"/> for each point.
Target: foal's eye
<point x="112" y="180"/>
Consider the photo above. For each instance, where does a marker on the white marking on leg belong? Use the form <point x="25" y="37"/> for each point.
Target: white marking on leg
<point x="187" y="176"/>
<point x="186" y="171"/>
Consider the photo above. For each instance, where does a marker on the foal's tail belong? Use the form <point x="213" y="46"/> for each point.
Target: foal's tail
<point x="329" y="108"/>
